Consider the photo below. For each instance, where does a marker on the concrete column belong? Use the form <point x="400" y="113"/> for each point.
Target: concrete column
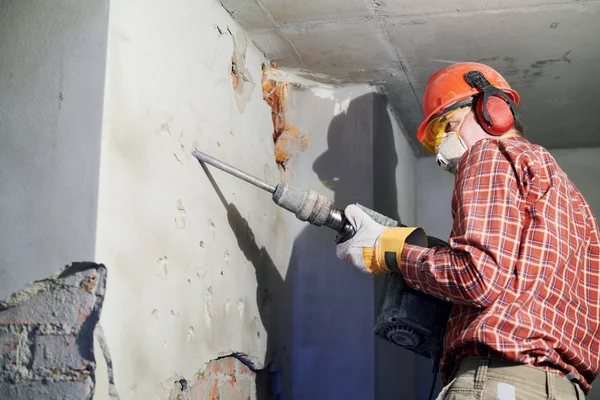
<point x="52" y="62"/>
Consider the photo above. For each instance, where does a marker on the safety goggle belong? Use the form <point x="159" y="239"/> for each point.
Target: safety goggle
<point x="437" y="127"/>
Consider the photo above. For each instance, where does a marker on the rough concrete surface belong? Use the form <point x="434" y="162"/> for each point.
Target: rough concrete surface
<point x="548" y="50"/>
<point x="46" y="335"/>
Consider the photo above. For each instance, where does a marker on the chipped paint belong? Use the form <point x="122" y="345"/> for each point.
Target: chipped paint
<point x="288" y="139"/>
<point x="242" y="82"/>
<point x="341" y="107"/>
<point x="289" y="143"/>
<point x="323" y="92"/>
<point x="88" y="283"/>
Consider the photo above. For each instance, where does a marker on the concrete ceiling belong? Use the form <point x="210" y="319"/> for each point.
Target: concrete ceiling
<point x="548" y="51"/>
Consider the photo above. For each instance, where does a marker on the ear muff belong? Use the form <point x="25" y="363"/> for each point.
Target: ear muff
<point x="495" y="111"/>
<point x="499" y="113"/>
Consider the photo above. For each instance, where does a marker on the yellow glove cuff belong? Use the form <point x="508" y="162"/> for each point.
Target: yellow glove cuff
<point x="371" y="262"/>
<point x="389" y="247"/>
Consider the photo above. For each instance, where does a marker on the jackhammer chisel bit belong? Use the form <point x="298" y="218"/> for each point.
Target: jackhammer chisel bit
<point x="307" y="205"/>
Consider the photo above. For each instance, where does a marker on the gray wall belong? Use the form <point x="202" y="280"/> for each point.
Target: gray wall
<point x="52" y="61"/>
<point x="332" y="342"/>
<point x="359" y="155"/>
<point x="394" y="185"/>
<point x="583" y="169"/>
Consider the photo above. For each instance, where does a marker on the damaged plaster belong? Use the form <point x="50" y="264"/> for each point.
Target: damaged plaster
<point x="241" y="78"/>
<point x="225" y="378"/>
<point x="289" y="139"/>
<point x="47" y="335"/>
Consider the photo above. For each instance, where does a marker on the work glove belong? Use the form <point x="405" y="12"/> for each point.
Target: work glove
<point x="376" y="248"/>
<point x="360" y="249"/>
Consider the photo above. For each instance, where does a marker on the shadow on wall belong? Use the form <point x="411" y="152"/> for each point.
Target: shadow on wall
<point x="333" y="346"/>
<point x="319" y="319"/>
<point x="332" y="302"/>
<point x="272" y="296"/>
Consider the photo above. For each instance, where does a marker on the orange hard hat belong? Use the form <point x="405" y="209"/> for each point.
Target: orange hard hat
<point x="449" y="86"/>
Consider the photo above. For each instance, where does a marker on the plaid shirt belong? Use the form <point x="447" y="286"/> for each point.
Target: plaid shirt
<point x="522" y="266"/>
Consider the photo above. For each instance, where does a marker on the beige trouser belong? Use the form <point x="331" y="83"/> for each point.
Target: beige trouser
<point x="493" y="379"/>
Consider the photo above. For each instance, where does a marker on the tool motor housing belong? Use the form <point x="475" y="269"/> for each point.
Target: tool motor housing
<point x="406" y="317"/>
<point x="411" y="319"/>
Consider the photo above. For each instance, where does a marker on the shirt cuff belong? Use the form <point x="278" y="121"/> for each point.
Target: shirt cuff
<point x="409" y="264"/>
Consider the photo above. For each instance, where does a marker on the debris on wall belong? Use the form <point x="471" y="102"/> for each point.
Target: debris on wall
<point x="226" y="378"/>
<point x="243" y="84"/>
<point x="288" y="139"/>
<point x="47" y="333"/>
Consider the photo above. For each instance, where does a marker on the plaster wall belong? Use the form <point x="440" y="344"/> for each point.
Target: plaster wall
<point x="434" y="192"/>
<point x="184" y="254"/>
<point x="52" y="61"/>
<point x="205" y="265"/>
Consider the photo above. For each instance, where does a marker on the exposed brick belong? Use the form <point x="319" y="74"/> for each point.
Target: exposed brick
<point x="9" y="343"/>
<point x="58" y="351"/>
<point x="58" y="301"/>
<point x="214" y="368"/>
<point x="224" y="379"/>
<point x="243" y="370"/>
<point x="247" y="388"/>
<point x="230" y="390"/>
<point x="64" y="390"/>
<point x="222" y="366"/>
<point x="230" y="365"/>
<point x="204" y="389"/>
<point x="46" y="335"/>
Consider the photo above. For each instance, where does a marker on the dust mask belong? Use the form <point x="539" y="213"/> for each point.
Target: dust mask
<point x="450" y="148"/>
<point x="449" y="151"/>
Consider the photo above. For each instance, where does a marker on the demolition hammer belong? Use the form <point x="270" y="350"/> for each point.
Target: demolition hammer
<point x="405" y="317"/>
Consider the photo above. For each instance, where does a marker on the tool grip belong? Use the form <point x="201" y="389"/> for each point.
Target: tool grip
<point x="348" y="231"/>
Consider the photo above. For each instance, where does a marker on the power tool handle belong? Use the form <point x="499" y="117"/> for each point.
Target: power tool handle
<point x="347" y="232"/>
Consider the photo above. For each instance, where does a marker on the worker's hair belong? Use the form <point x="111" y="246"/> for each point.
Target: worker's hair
<point x="519" y="126"/>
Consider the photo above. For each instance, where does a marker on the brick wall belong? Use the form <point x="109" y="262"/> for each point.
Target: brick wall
<point x="226" y="378"/>
<point x="46" y="346"/>
<point x="46" y="336"/>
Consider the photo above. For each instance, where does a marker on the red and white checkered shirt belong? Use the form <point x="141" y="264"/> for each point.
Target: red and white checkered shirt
<point x="522" y="267"/>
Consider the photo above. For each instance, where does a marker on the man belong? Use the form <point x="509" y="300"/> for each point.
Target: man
<point x="522" y="265"/>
